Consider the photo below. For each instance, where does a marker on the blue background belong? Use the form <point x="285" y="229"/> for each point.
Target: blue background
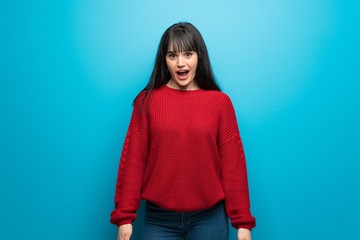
<point x="69" y="71"/>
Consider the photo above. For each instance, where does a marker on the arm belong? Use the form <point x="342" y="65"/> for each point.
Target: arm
<point x="233" y="170"/>
<point x="131" y="169"/>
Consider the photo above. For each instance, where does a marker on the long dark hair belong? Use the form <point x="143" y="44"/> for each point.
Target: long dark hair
<point x="181" y="36"/>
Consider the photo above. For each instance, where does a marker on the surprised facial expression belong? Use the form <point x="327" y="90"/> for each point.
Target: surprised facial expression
<point x="182" y="67"/>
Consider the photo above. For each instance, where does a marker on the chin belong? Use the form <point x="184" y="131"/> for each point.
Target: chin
<point x="184" y="83"/>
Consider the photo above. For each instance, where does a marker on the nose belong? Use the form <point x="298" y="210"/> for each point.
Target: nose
<point x="180" y="62"/>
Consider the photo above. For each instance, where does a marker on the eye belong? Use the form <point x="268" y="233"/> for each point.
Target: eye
<point x="171" y="56"/>
<point x="188" y="54"/>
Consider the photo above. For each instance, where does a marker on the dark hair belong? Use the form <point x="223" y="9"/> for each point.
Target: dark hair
<point x="181" y="36"/>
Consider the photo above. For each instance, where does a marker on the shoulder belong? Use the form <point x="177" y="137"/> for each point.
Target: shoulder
<point x="139" y="98"/>
<point x="220" y="97"/>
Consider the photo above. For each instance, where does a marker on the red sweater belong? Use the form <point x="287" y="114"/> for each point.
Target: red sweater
<point x="184" y="154"/>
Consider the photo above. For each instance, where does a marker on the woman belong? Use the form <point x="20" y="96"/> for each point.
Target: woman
<point x="182" y="152"/>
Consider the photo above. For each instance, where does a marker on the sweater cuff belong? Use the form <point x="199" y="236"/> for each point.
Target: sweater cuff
<point x="123" y="222"/>
<point x="119" y="218"/>
<point x="249" y="223"/>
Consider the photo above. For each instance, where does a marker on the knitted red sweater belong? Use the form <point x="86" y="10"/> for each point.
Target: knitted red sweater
<point x="184" y="154"/>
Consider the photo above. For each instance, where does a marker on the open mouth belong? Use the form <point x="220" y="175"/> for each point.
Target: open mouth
<point x="182" y="74"/>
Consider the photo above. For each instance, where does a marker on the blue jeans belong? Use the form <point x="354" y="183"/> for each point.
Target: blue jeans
<point x="161" y="224"/>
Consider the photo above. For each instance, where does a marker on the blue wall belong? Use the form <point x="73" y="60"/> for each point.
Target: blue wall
<point x="70" y="70"/>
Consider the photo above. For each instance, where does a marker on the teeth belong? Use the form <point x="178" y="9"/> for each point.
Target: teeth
<point x="182" y="73"/>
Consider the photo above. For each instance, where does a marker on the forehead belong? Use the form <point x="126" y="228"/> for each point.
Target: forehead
<point x="173" y="49"/>
<point x="180" y="45"/>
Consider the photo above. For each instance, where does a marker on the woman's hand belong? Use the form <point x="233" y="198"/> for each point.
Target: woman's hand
<point x="125" y="232"/>
<point x="244" y="234"/>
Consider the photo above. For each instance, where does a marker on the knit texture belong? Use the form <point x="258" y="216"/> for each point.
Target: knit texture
<point x="184" y="154"/>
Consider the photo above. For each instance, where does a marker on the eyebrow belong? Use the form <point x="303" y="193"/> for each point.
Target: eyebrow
<point x="181" y="51"/>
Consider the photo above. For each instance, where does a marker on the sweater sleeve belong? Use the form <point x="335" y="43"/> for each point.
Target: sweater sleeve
<point x="131" y="168"/>
<point x="233" y="169"/>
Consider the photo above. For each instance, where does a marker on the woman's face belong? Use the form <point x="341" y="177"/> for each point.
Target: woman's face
<point x="182" y="68"/>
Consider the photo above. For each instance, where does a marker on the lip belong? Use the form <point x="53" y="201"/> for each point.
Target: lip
<point x="182" y="74"/>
